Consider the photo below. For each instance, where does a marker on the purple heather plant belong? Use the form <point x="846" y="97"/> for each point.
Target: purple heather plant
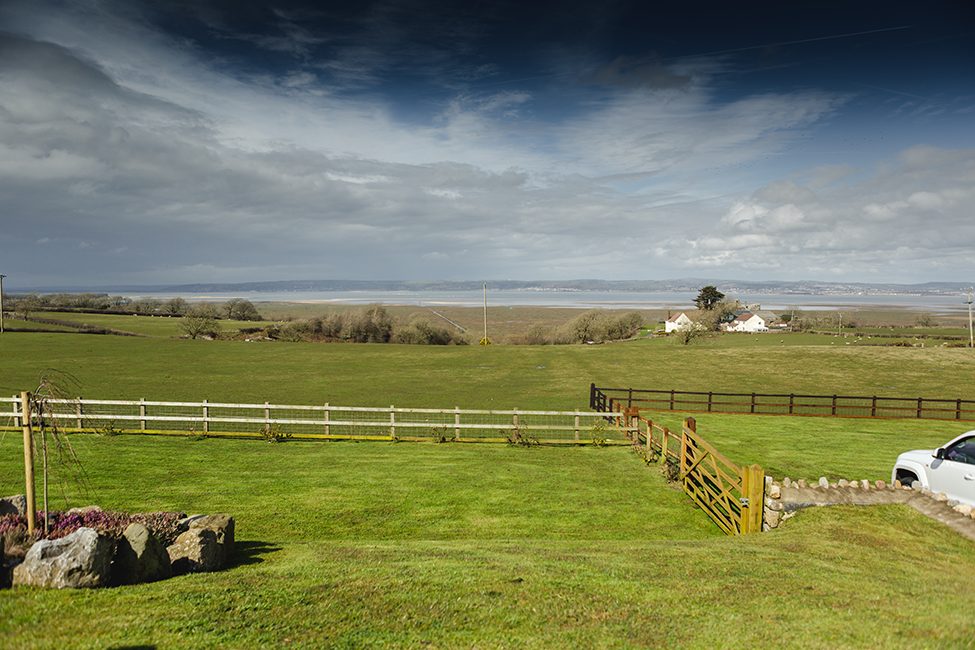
<point x="164" y="525"/>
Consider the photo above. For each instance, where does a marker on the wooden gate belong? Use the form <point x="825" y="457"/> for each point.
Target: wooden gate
<point x="732" y="496"/>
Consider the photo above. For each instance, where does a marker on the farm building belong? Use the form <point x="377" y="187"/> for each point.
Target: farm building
<point x="747" y="322"/>
<point x="679" y="322"/>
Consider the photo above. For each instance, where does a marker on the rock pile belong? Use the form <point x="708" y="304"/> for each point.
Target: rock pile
<point x="87" y="558"/>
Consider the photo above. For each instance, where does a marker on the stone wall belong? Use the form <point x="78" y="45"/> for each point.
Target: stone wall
<point x="784" y="499"/>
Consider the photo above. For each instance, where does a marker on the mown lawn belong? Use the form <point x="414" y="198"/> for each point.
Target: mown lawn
<point x="381" y="545"/>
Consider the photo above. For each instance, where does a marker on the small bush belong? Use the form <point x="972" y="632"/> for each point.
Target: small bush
<point x="273" y="433"/>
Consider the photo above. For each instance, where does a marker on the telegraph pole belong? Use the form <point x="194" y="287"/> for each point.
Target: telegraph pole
<point x="971" y="339"/>
<point x="2" y="276"/>
<point x="485" y="340"/>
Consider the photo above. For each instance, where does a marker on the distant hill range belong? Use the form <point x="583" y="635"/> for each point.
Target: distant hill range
<point x="729" y="287"/>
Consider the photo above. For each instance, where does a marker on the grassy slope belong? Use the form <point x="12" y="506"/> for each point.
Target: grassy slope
<point x="379" y="545"/>
<point x="395" y="546"/>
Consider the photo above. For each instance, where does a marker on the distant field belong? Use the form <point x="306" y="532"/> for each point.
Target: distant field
<point x="534" y="377"/>
<point x="383" y="545"/>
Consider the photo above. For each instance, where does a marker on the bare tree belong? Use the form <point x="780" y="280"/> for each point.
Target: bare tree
<point x="175" y="307"/>
<point x="240" y="309"/>
<point x="200" y="321"/>
<point x="28" y="305"/>
<point x="146" y="305"/>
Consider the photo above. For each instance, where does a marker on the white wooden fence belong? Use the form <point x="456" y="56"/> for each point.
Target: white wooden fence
<point x="328" y="421"/>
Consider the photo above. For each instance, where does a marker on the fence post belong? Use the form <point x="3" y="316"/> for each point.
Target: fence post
<point x="752" y="489"/>
<point x="267" y="414"/>
<point x="792" y="401"/>
<point x="873" y="407"/>
<point x="577" y="424"/>
<point x="142" y="413"/>
<point x="709" y="401"/>
<point x="834" y="405"/>
<point x="690" y="424"/>
<point x="206" y="417"/>
<point x="392" y="422"/>
<point x="671" y="400"/>
<point x="456" y="423"/>
<point x="28" y="462"/>
<point x="592" y="396"/>
<point x="919" y="401"/>
<point x="514" y="419"/>
<point x="753" y="402"/>
<point x="328" y="427"/>
<point x="78" y="412"/>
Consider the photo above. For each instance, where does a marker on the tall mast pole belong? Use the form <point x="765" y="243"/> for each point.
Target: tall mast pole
<point x="971" y="339"/>
<point x="2" y="276"/>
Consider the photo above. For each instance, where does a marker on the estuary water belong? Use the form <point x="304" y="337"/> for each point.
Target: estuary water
<point x="940" y="304"/>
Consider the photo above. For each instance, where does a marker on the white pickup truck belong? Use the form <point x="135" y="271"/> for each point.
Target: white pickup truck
<point x="949" y="469"/>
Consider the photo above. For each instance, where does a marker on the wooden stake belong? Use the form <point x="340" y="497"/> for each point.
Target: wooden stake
<point x="28" y="462"/>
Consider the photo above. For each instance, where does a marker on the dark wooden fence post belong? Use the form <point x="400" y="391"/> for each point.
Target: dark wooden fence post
<point x="592" y="396"/>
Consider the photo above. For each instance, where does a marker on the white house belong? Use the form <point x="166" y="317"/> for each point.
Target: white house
<point x="679" y="322"/>
<point x="747" y="322"/>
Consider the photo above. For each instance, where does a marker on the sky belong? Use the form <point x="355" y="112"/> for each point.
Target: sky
<point x="170" y="142"/>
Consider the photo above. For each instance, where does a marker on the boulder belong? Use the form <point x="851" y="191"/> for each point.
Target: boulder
<point x="139" y="557"/>
<point x="222" y="525"/>
<point x="194" y="551"/>
<point x="80" y="560"/>
<point x="14" y="505"/>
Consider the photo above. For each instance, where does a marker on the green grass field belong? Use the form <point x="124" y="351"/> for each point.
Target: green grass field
<point x="382" y="545"/>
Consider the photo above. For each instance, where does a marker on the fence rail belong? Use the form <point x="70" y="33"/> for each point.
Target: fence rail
<point x="607" y="399"/>
<point x="734" y="497"/>
<point x="328" y="421"/>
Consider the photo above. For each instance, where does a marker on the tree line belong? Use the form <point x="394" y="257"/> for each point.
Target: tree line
<point x="233" y="309"/>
